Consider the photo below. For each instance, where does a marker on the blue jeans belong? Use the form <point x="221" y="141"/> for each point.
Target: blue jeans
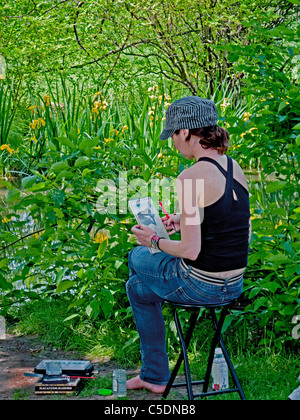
<point x="152" y="279"/>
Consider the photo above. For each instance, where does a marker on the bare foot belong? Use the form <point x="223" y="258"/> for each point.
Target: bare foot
<point x="137" y="383"/>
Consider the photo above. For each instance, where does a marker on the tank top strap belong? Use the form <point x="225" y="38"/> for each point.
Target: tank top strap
<point x="207" y="159"/>
<point x="229" y="182"/>
<point x="228" y="197"/>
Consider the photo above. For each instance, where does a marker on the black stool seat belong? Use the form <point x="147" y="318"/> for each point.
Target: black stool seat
<point x="185" y="341"/>
<point x="197" y="306"/>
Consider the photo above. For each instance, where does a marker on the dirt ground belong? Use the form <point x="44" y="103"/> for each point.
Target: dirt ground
<point x="20" y="354"/>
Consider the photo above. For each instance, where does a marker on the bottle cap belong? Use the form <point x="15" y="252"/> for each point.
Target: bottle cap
<point x="105" y="392"/>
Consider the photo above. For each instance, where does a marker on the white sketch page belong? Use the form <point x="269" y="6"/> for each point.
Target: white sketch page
<point x="146" y="214"/>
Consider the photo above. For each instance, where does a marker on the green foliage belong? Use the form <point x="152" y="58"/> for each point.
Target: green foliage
<point x="85" y="116"/>
<point x="54" y="240"/>
<point x="67" y="251"/>
<point x="6" y="116"/>
<point x="267" y="136"/>
<point x="118" y="43"/>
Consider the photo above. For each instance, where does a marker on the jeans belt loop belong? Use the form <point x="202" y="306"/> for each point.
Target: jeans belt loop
<point x="224" y="290"/>
<point x="186" y="274"/>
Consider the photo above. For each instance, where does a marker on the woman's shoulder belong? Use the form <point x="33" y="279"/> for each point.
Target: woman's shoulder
<point x="203" y="170"/>
<point x="211" y="173"/>
<point x="190" y="173"/>
<point x="185" y="173"/>
<point x="238" y="174"/>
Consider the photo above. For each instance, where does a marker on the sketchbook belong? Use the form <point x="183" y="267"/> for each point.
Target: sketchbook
<point x="146" y="214"/>
<point x="66" y="367"/>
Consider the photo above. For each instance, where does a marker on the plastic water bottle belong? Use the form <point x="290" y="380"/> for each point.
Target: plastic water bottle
<point x="119" y="383"/>
<point x="219" y="371"/>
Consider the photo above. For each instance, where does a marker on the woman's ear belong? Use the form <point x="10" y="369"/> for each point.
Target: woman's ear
<point x="186" y="134"/>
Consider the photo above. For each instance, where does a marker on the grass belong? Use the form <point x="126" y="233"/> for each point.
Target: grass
<point x="271" y="376"/>
<point x="262" y="376"/>
<point x="265" y="373"/>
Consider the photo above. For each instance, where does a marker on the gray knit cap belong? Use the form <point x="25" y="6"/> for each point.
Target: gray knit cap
<point x="189" y="112"/>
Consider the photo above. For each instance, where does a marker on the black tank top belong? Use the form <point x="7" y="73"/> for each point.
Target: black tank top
<point x="225" y="227"/>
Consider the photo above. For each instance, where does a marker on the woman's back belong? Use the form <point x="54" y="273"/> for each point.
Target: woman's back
<point x="225" y="224"/>
<point x="214" y="180"/>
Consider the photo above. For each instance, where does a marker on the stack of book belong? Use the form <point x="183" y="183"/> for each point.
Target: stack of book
<point x="58" y="386"/>
<point x="61" y="376"/>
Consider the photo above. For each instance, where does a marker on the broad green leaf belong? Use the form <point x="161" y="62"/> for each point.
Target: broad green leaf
<point x="272" y="286"/>
<point x="4" y="262"/>
<point x="12" y="195"/>
<point x="262" y="301"/>
<point x="28" y="181"/>
<point x="58" y="167"/>
<point x="64" y="285"/>
<point x="61" y="274"/>
<point x="294" y="1"/>
<point x="107" y="302"/>
<point x="8" y="236"/>
<point x="65" y="141"/>
<point x="4" y="285"/>
<point x="101" y="249"/>
<point x="85" y="172"/>
<point x="64" y="174"/>
<point x="288" y="310"/>
<point x="254" y="292"/>
<point x="71" y="317"/>
<point x="227" y="322"/>
<point x="40" y="186"/>
<point x="93" y="308"/>
<point x="106" y="307"/>
<point x="282" y="105"/>
<point x="146" y="174"/>
<point x="275" y="186"/>
<point x="278" y="211"/>
<point x="81" y="161"/>
<point x="59" y="213"/>
<point x="58" y="197"/>
<point x="51" y="147"/>
<point x="143" y="155"/>
<point x="279" y="259"/>
<point x="88" y="143"/>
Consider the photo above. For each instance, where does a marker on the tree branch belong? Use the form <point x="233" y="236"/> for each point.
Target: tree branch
<point x="54" y="7"/>
<point x="21" y="239"/>
<point x="75" y="29"/>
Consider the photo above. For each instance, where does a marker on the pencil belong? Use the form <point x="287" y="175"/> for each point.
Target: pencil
<point x="166" y="214"/>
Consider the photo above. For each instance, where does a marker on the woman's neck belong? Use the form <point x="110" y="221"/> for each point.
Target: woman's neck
<point x="210" y="153"/>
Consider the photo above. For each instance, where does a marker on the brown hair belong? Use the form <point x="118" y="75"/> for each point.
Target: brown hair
<point x="212" y="137"/>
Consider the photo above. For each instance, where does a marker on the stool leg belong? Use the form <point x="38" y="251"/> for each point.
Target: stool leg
<point x="218" y="326"/>
<point x="183" y="356"/>
<point x="227" y="358"/>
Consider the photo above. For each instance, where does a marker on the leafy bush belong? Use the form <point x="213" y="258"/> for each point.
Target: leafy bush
<point x="268" y="136"/>
<point x="56" y="244"/>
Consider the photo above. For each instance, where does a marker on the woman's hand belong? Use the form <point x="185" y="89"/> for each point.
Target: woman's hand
<point x="172" y="224"/>
<point x="143" y="234"/>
